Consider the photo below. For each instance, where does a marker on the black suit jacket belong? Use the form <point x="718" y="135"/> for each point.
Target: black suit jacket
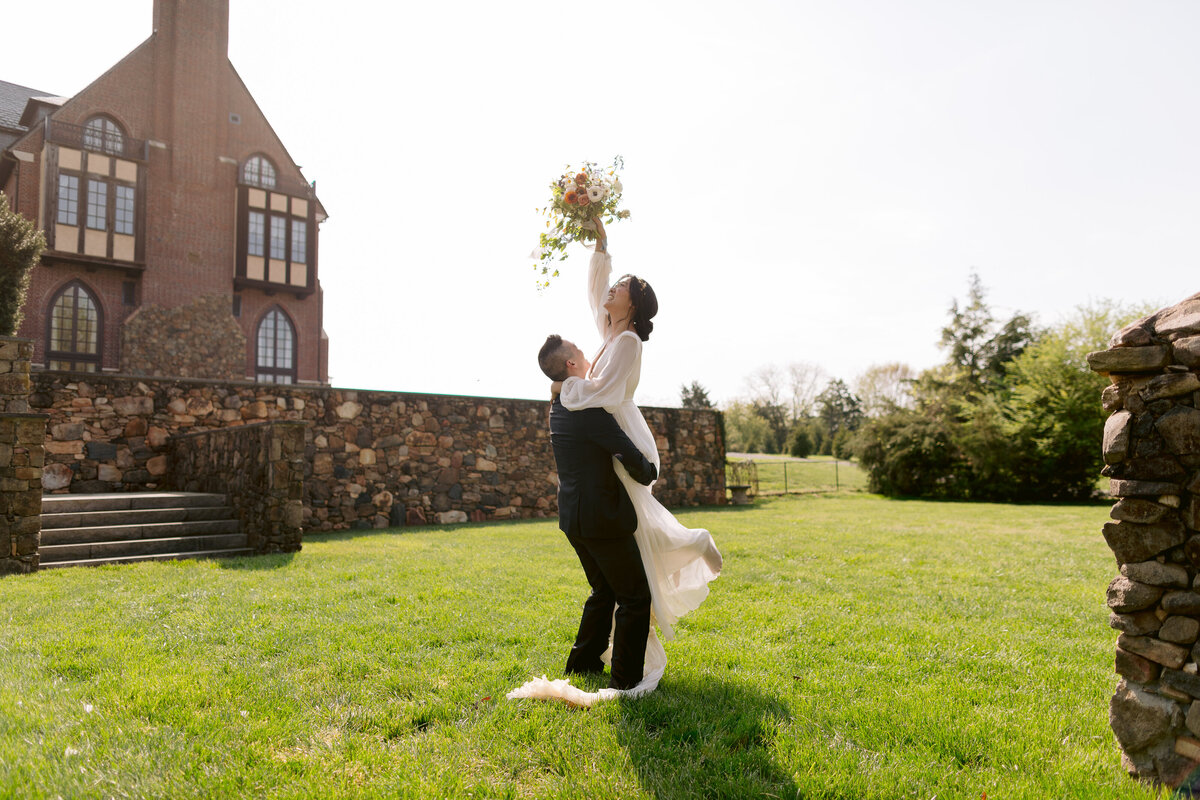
<point x="592" y="503"/>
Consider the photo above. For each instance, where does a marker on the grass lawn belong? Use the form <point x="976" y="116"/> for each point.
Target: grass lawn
<point x="777" y="474"/>
<point x="855" y="647"/>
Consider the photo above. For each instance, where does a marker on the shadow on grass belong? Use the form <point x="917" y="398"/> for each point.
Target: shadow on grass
<point x="401" y="530"/>
<point x="705" y="739"/>
<point x="256" y="562"/>
<point x="357" y="533"/>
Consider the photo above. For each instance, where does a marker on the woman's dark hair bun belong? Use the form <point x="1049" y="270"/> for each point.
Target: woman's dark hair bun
<point x="645" y="304"/>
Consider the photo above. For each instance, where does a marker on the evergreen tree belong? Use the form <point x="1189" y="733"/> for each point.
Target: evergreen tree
<point x="694" y="396"/>
<point x="838" y="408"/>
<point x="966" y="336"/>
<point x="977" y="350"/>
<point x="21" y="246"/>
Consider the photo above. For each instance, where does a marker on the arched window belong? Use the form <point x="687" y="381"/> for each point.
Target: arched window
<point x="73" y="336"/>
<point x="259" y="172"/>
<point x="101" y="133"/>
<point x="275" y="356"/>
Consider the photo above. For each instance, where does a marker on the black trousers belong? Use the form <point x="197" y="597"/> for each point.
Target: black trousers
<point x="614" y="570"/>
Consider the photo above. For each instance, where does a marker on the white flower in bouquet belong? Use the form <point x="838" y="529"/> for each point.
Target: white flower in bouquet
<point x="596" y="192"/>
<point x="616" y="186"/>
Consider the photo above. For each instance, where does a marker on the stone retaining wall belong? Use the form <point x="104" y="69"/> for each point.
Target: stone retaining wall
<point x="259" y="467"/>
<point x="372" y="458"/>
<point x="1152" y="452"/>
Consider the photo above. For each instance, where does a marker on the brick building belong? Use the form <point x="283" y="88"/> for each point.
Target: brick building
<point x="182" y="237"/>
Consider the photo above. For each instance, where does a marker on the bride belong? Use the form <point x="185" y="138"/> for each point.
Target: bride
<point x="679" y="562"/>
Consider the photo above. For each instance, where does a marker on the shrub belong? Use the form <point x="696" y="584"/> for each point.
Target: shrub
<point x="21" y="246"/>
<point x="841" y="446"/>
<point x="907" y="453"/>
<point x="820" y="441"/>
<point x="800" y="442"/>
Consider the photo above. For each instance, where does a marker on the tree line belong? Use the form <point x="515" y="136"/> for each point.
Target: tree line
<point x="1012" y="413"/>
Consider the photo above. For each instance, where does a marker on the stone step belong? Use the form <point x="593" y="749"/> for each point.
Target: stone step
<point x="123" y="533"/>
<point x="121" y="527"/>
<point x="123" y="501"/>
<point x="178" y="546"/>
<point x="99" y="562"/>
<point x="138" y="516"/>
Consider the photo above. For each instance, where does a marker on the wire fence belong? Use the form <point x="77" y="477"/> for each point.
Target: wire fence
<point x="775" y="475"/>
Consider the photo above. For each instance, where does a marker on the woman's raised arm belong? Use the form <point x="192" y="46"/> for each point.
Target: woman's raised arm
<point x="599" y="271"/>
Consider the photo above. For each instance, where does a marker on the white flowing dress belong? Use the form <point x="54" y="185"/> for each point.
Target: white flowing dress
<point x="679" y="562"/>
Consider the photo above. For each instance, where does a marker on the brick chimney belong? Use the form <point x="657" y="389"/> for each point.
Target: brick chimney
<point x="191" y="62"/>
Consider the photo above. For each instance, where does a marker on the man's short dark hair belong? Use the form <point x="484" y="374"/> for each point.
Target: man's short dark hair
<point x="552" y="358"/>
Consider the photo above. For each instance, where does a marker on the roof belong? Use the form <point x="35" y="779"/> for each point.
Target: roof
<point x="13" y="99"/>
<point x="39" y="107"/>
<point x="19" y="106"/>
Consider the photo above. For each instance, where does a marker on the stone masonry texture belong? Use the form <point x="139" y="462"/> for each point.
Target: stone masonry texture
<point x="22" y="441"/>
<point x="1151" y="452"/>
<point x="259" y="467"/>
<point x="197" y="340"/>
<point x="371" y="458"/>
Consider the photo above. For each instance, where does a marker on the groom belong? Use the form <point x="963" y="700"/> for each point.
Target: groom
<point x="596" y="514"/>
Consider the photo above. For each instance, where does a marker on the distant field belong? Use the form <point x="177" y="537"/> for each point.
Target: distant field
<point x="778" y="474"/>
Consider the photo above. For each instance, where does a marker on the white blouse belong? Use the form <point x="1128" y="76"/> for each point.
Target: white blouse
<point x="617" y="367"/>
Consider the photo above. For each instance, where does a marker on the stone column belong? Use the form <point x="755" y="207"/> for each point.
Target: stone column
<point x="22" y="455"/>
<point x="285" y="495"/>
<point x="1152" y="454"/>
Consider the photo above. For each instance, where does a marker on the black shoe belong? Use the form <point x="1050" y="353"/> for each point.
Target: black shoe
<point x="589" y="671"/>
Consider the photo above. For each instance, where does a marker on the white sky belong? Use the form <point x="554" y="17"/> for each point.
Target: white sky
<point x="809" y="181"/>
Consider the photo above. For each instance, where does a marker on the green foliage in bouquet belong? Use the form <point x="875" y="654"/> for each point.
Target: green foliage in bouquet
<point x="577" y="198"/>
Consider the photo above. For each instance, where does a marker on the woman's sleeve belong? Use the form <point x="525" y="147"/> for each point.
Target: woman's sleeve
<point x="605" y="389"/>
<point x="599" y="270"/>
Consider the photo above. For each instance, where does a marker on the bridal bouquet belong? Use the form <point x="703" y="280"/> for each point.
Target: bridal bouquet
<point x="577" y="200"/>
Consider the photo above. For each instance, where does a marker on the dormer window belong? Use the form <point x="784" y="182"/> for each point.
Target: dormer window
<point x="95" y="191"/>
<point x="276" y="233"/>
<point x="103" y="135"/>
<point x="259" y="172"/>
